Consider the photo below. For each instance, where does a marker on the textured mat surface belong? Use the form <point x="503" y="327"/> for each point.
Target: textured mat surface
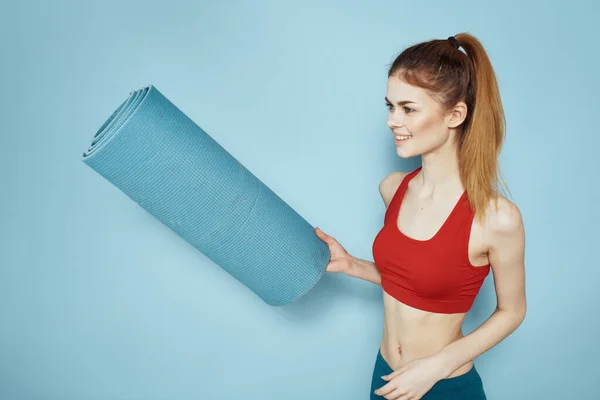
<point x="166" y="163"/>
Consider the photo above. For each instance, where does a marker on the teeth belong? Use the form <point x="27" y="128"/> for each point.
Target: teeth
<point x="402" y="137"/>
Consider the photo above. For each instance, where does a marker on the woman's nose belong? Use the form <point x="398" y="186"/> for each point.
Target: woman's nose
<point x="394" y="122"/>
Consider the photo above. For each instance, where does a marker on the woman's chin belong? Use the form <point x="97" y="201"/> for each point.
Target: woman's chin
<point x="404" y="153"/>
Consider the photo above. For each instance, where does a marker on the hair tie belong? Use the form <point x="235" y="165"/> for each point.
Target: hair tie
<point x="453" y="40"/>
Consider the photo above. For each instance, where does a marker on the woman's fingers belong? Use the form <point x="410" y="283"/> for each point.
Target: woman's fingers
<point x="322" y="234"/>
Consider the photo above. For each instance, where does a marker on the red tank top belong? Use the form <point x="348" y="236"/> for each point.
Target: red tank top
<point x="434" y="275"/>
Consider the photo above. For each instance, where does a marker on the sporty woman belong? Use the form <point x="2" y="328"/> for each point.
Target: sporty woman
<point x="446" y="226"/>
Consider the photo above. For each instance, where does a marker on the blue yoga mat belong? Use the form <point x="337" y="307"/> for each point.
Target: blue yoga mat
<point x="166" y="163"/>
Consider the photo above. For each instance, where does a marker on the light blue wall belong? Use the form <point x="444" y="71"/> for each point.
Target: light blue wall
<point x="99" y="301"/>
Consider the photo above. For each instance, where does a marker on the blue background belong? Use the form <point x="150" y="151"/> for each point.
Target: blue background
<point x="98" y="300"/>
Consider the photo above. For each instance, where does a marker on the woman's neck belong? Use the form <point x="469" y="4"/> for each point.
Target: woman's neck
<point x="440" y="174"/>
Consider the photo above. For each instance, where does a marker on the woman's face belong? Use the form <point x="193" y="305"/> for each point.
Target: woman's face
<point x="413" y="113"/>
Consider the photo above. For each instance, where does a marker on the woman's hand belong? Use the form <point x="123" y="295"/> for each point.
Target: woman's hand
<point x="412" y="381"/>
<point x="340" y="260"/>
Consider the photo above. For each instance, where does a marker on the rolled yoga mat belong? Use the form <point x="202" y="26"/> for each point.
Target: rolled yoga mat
<point x="166" y="163"/>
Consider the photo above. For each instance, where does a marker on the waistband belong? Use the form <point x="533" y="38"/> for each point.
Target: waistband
<point x="471" y="377"/>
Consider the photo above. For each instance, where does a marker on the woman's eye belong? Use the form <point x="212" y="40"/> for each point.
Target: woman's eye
<point x="407" y="110"/>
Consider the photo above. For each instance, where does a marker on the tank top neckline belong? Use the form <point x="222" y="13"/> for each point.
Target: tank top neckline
<point x="401" y="192"/>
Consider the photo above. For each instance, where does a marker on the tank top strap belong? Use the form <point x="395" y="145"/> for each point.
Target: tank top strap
<point x="457" y="228"/>
<point x="394" y="206"/>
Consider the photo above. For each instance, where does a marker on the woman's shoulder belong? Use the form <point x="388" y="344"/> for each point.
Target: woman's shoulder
<point x="503" y="216"/>
<point x="389" y="185"/>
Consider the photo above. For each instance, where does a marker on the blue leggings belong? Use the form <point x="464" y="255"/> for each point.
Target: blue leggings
<point x="467" y="386"/>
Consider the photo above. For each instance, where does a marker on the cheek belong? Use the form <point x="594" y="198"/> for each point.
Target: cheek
<point x="423" y="126"/>
<point x="426" y="131"/>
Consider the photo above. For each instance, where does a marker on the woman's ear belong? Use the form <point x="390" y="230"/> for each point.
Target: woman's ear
<point x="457" y="115"/>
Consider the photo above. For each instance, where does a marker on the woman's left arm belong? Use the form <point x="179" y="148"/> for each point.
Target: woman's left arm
<point x="507" y="258"/>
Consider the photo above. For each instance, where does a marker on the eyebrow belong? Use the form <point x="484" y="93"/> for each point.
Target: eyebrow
<point x="400" y="103"/>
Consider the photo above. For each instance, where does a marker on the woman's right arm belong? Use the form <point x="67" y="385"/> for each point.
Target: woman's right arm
<point x="364" y="269"/>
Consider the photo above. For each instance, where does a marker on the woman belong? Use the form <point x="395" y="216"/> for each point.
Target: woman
<point x="446" y="226"/>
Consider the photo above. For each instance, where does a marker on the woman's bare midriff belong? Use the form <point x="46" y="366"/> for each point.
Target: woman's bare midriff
<point x="410" y="334"/>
